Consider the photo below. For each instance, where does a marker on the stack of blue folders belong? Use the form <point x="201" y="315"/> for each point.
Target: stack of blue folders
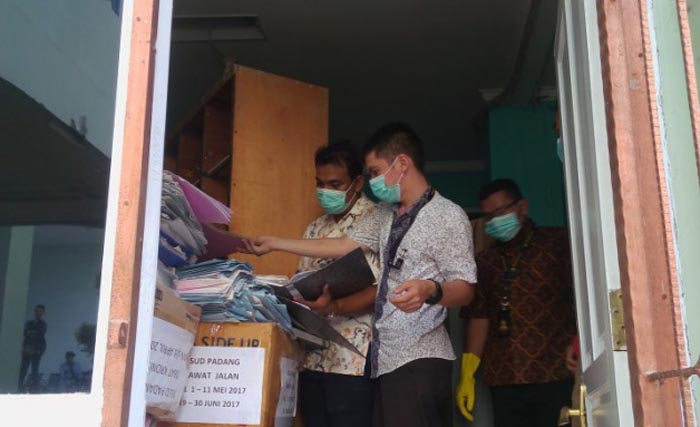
<point x="228" y="291"/>
<point x="181" y="235"/>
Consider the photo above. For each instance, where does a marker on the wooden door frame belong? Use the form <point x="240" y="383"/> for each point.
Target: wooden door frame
<point x="690" y="72"/>
<point x="648" y="271"/>
<point x="131" y="209"/>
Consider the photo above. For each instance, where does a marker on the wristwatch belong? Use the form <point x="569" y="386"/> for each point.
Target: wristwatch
<point x="437" y="295"/>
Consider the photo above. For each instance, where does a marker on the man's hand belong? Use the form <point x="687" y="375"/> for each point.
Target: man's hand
<point x="260" y="245"/>
<point x="466" y="389"/>
<point x="571" y="359"/>
<point x="323" y="305"/>
<point x="410" y="296"/>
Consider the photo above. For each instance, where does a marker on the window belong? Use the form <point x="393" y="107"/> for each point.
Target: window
<point x="58" y="85"/>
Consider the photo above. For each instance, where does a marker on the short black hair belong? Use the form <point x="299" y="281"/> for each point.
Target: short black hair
<point x="41" y="306"/>
<point x="341" y="153"/>
<point x="394" y="139"/>
<point x="70" y="354"/>
<point x="504" y="184"/>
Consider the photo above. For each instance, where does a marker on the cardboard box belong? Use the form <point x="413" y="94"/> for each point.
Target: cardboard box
<point x="175" y="326"/>
<point x="281" y="366"/>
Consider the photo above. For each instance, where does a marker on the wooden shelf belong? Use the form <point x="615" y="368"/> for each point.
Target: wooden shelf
<point x="189" y="155"/>
<point x="254" y="152"/>
<point x="218" y="189"/>
<point x="216" y="140"/>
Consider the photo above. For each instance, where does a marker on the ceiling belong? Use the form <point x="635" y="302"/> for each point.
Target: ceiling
<point x="418" y="61"/>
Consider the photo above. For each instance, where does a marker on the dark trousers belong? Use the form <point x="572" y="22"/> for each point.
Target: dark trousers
<point x="530" y="405"/>
<point x="28" y="359"/>
<point x="334" y="400"/>
<point x="418" y="394"/>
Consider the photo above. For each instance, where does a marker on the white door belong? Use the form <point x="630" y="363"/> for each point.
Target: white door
<point x="590" y="210"/>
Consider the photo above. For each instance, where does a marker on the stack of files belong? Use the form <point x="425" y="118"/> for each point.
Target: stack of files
<point x="181" y="236"/>
<point x="215" y="218"/>
<point x="228" y="291"/>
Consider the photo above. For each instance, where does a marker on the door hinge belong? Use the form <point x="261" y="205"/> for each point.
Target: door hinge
<point x="617" y="318"/>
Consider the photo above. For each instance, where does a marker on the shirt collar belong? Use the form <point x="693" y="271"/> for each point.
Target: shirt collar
<point x="418" y="204"/>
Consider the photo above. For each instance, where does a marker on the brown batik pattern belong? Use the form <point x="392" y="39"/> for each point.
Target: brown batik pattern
<point x="541" y="309"/>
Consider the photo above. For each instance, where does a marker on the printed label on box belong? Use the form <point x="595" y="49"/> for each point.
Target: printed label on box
<point x="287" y="403"/>
<point x="167" y="365"/>
<point x="224" y="386"/>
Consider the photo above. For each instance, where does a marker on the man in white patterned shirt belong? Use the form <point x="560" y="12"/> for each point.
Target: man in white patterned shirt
<point x="334" y="390"/>
<point x="427" y="264"/>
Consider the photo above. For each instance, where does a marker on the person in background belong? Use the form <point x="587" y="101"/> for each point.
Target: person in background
<point x="33" y="347"/>
<point x="334" y="389"/>
<point x="427" y="264"/>
<point x="70" y="374"/>
<point x="523" y="317"/>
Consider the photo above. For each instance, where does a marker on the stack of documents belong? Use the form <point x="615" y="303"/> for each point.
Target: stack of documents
<point x="181" y="236"/>
<point x="228" y="291"/>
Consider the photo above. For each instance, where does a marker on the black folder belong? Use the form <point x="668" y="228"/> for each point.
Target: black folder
<point x="344" y="276"/>
<point x="316" y="325"/>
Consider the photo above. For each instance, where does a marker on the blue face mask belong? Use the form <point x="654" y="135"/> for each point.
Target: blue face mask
<point x="503" y="227"/>
<point x="333" y="201"/>
<point x="560" y="150"/>
<point x="386" y="193"/>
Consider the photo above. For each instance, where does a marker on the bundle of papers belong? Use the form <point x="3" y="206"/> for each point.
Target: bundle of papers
<point x="181" y="236"/>
<point x="228" y="291"/>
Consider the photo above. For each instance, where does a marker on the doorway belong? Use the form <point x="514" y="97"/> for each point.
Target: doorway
<point x="461" y="75"/>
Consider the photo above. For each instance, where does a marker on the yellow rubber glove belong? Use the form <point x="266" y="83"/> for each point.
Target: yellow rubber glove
<point x="465" y="389"/>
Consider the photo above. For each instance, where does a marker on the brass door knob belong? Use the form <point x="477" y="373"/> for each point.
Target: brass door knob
<point x="567" y="414"/>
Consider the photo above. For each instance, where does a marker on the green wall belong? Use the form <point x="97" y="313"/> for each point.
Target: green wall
<point x="681" y="166"/>
<point x="462" y="187"/>
<point x="522" y="142"/>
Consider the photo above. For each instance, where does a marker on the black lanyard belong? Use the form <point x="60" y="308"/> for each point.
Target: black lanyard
<point x="509" y="276"/>
<point x="394" y="246"/>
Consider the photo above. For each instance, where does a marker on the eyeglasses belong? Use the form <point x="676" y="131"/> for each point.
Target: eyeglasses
<point x="500" y="211"/>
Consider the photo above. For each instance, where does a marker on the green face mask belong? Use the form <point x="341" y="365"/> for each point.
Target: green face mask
<point x="503" y="227"/>
<point x="333" y="201"/>
<point x="386" y="193"/>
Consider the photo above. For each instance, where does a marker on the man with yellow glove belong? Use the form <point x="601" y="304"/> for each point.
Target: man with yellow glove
<point x="522" y="319"/>
<point x="466" y="388"/>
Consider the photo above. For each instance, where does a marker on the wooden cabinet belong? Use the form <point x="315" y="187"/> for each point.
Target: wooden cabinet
<point x="250" y="143"/>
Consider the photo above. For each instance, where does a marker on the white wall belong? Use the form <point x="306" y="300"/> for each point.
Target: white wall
<point x="61" y="53"/>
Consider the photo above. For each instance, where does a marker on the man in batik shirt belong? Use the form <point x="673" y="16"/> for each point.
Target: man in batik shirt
<point x="334" y="389"/>
<point x="522" y="319"/>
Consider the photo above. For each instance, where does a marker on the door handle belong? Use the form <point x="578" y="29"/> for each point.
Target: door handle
<point x="567" y="414"/>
